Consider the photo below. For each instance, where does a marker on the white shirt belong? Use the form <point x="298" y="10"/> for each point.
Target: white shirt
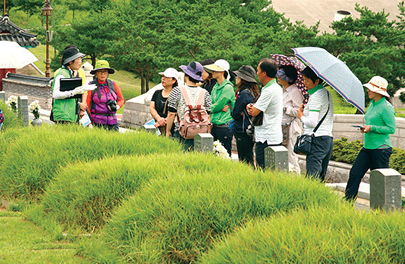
<point x="318" y="102"/>
<point x="270" y="103"/>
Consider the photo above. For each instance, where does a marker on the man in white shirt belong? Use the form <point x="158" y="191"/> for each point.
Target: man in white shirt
<point x="270" y="103"/>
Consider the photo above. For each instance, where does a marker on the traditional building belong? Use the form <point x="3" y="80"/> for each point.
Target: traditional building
<point x="11" y="32"/>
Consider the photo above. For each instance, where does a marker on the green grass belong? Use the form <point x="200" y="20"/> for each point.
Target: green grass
<point x="175" y="220"/>
<point x="23" y="242"/>
<point x="318" y="235"/>
<point x="39" y="153"/>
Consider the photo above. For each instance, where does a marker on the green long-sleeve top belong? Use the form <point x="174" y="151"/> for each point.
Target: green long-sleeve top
<point x="221" y="95"/>
<point x="381" y="117"/>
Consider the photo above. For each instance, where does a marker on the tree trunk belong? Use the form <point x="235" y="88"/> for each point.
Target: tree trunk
<point x="93" y="60"/>
<point x="143" y="82"/>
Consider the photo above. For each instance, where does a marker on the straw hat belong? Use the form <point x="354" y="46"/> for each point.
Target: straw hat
<point x="378" y="85"/>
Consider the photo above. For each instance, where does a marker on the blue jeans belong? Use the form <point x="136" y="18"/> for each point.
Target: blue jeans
<point x="317" y="161"/>
<point x="366" y="159"/>
<point x="188" y="144"/>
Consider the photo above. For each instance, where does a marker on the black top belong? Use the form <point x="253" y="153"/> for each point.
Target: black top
<point x="209" y="85"/>
<point x="241" y="122"/>
<point x="160" y="102"/>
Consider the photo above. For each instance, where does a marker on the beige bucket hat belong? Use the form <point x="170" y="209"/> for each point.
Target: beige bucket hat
<point x="378" y="85"/>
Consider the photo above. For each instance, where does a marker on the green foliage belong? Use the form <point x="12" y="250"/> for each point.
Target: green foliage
<point x="344" y="151"/>
<point x="370" y="45"/>
<point x="39" y="153"/>
<point x="319" y="235"/>
<point x="11" y="119"/>
<point x="175" y="220"/>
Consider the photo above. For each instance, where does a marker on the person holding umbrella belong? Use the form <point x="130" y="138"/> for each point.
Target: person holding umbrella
<point x="292" y="100"/>
<point x="377" y="148"/>
<point x="319" y="105"/>
<point x="246" y="93"/>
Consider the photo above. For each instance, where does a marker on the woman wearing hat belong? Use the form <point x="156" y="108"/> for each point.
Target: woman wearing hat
<point x="177" y="104"/>
<point x="377" y="148"/>
<point x="106" y="99"/>
<point x="223" y="101"/>
<point x="158" y="105"/>
<point x="65" y="108"/>
<point x="292" y="100"/>
<point x="246" y="93"/>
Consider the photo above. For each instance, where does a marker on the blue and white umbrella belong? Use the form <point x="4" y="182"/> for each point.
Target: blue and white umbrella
<point x="335" y="72"/>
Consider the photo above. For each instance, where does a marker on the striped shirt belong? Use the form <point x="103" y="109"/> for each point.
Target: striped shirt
<point x="318" y="101"/>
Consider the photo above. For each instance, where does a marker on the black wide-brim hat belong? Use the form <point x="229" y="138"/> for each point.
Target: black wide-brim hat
<point x="246" y="73"/>
<point x="70" y="54"/>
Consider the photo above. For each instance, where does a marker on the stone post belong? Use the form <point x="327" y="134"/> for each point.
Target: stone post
<point x="385" y="189"/>
<point x="3" y="96"/>
<point x="23" y="109"/>
<point x="276" y="157"/>
<point x="204" y="142"/>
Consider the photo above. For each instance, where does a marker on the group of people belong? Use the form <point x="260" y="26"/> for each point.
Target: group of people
<point x="279" y="106"/>
<point x="99" y="100"/>
<point x="276" y="108"/>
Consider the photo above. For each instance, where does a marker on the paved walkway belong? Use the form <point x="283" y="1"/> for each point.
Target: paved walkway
<point x="312" y="11"/>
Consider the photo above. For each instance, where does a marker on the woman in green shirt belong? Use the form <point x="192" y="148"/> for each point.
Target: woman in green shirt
<point x="380" y="124"/>
<point x="223" y="101"/>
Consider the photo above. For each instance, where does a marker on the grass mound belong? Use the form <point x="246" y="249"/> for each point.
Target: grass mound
<point x="321" y="235"/>
<point x="39" y="153"/>
<point x="84" y="195"/>
<point x="174" y="220"/>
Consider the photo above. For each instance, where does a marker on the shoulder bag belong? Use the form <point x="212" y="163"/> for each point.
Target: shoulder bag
<point x="304" y="142"/>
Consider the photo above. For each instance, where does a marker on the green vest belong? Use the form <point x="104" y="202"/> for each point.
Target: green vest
<point x="64" y="109"/>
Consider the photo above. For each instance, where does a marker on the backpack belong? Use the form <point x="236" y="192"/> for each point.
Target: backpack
<point x="1" y="118"/>
<point x="196" y="119"/>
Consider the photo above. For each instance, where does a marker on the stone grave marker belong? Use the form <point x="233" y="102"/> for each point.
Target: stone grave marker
<point x="3" y="96"/>
<point x="385" y="189"/>
<point x="204" y="142"/>
<point x="276" y="157"/>
<point x="23" y="109"/>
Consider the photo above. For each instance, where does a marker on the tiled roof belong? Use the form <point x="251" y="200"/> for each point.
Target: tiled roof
<point x="11" y="32"/>
<point x="27" y="79"/>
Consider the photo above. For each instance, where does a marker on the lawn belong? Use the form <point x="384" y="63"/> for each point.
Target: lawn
<point x="22" y="241"/>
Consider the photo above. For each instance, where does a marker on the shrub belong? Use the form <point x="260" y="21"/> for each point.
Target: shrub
<point x="175" y="220"/>
<point x="344" y="151"/>
<point x="319" y="235"/>
<point x="11" y="120"/>
<point x="84" y="195"/>
<point x="39" y="153"/>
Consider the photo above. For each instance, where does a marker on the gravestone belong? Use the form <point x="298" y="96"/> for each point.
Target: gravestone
<point x="204" y="142"/>
<point x="3" y="96"/>
<point x="23" y="109"/>
<point x="276" y="157"/>
<point x="385" y="189"/>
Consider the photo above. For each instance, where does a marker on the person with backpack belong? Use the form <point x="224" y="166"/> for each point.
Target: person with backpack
<point x="66" y="107"/>
<point x="191" y="104"/>
<point x="106" y="99"/>
<point x="223" y="101"/>
<point x="246" y="93"/>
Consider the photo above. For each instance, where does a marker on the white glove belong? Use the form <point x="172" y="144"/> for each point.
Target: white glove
<point x="118" y="107"/>
<point x="84" y="88"/>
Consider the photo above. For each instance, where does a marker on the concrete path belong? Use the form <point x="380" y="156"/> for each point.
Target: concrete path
<point x="311" y="11"/>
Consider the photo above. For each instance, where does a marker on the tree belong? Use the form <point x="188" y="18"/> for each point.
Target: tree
<point x="370" y="45"/>
<point x="29" y="6"/>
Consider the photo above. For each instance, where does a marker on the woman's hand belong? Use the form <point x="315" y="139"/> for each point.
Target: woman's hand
<point x="365" y="129"/>
<point x="300" y="111"/>
<point x="249" y="108"/>
<point x="161" y="121"/>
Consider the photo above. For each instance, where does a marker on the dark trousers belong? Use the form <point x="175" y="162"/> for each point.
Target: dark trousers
<point x="107" y="127"/>
<point x="260" y="153"/>
<point x="367" y="159"/>
<point x="188" y="144"/>
<point x="224" y="135"/>
<point x="244" y="144"/>
<point x="317" y="161"/>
